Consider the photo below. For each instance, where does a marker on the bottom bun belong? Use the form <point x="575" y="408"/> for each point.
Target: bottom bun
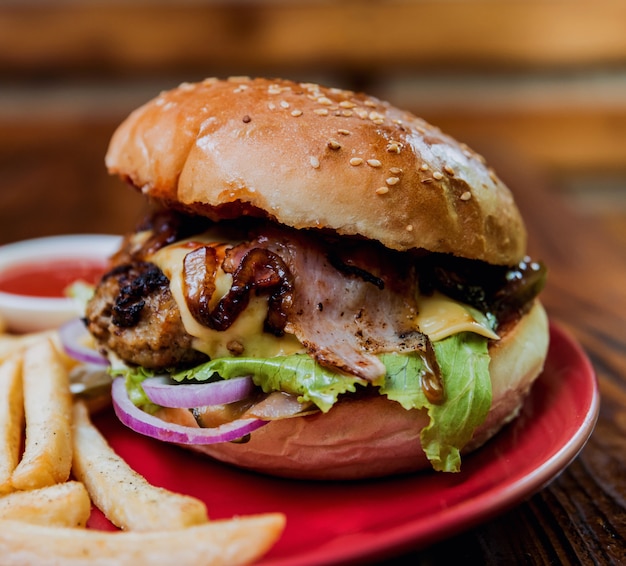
<point x="373" y="436"/>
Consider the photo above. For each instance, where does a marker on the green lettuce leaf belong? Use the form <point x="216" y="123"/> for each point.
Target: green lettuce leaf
<point x="464" y="363"/>
<point x="298" y="374"/>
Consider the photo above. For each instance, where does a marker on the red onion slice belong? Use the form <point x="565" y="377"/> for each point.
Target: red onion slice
<point x="73" y="334"/>
<point x="149" y="425"/>
<point x="189" y="395"/>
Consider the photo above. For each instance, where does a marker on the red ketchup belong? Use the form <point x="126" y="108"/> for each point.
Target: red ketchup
<point x="50" y="278"/>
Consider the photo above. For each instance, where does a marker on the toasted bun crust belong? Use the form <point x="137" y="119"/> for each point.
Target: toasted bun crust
<point x="314" y="157"/>
<point x="374" y="437"/>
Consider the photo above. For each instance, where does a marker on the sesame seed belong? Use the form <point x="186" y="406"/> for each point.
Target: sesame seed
<point x="393" y="147"/>
<point x="186" y="87"/>
<point x="361" y="113"/>
<point x="334" y="144"/>
<point x="466" y="195"/>
<point x="395" y="171"/>
<point x="315" y="162"/>
<point x="370" y="103"/>
<point x="409" y="228"/>
<point x="321" y="111"/>
<point x="427" y="180"/>
<point x="296" y="113"/>
<point x="356" y="161"/>
<point x="271" y="106"/>
<point x="382" y="190"/>
<point x="284" y="104"/>
<point x="344" y="132"/>
<point x="347" y="104"/>
<point x="424" y="167"/>
<point x="438" y="175"/>
<point x="374" y="163"/>
<point x="324" y="100"/>
<point x="392" y="180"/>
<point x="347" y="113"/>
<point x="448" y="170"/>
<point x="273" y="89"/>
<point x="374" y="116"/>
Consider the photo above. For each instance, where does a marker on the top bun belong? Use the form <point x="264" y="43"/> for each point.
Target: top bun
<point x="314" y="157"/>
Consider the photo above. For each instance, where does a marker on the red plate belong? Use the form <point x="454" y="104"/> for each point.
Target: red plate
<point x="331" y="523"/>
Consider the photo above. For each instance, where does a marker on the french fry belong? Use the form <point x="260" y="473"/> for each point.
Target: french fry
<point x="63" y="505"/>
<point x="127" y="499"/>
<point x="228" y="542"/>
<point x="11" y="419"/>
<point x="15" y="343"/>
<point x="47" y="457"/>
<point x="43" y="522"/>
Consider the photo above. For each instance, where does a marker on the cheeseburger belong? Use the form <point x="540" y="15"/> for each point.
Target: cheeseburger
<point x="325" y="286"/>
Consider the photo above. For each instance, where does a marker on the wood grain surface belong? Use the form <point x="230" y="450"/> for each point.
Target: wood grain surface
<point x="358" y="35"/>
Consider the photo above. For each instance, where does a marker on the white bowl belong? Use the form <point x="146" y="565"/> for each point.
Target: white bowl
<point x="23" y="313"/>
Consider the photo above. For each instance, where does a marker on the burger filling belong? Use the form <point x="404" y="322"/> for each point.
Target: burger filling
<point x="310" y="317"/>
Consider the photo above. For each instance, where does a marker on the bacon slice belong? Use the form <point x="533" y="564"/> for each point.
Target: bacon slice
<point x="343" y="317"/>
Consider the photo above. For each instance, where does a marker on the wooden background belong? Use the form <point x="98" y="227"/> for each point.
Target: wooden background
<point x="545" y="78"/>
<point x="538" y="87"/>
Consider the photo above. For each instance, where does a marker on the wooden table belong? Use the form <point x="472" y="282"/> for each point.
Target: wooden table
<point x="580" y="518"/>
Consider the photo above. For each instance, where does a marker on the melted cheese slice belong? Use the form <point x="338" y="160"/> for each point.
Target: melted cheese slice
<point x="439" y="316"/>
<point x="247" y="330"/>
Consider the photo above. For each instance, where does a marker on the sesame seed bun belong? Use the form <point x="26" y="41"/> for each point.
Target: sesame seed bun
<point x="313" y="157"/>
<point x="374" y="437"/>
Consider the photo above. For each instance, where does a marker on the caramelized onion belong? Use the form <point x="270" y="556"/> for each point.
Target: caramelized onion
<point x="260" y="271"/>
<point x="199" y="269"/>
<point x="168" y="226"/>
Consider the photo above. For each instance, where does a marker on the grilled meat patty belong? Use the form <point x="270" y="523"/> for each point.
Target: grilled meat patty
<point x="134" y="315"/>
